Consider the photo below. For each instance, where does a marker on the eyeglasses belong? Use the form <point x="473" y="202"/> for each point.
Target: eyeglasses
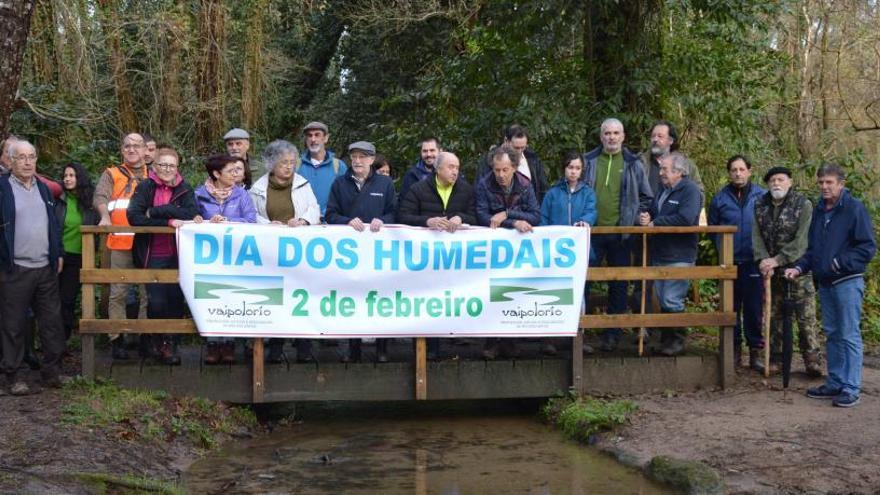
<point x="233" y="171"/>
<point x="30" y="158"/>
<point x="165" y="166"/>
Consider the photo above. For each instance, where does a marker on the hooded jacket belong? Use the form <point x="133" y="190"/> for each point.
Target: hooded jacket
<point x="561" y="206"/>
<point x="416" y="173"/>
<point x="305" y="203"/>
<point x="321" y="177"/>
<point x="142" y="212"/>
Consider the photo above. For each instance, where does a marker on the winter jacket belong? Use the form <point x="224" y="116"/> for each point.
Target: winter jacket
<point x="7" y="225"/>
<point x="305" y="203"/>
<point x="238" y="207"/>
<point x="635" y="192"/>
<point x="520" y="204"/>
<point x="563" y="207"/>
<point x="652" y="172"/>
<point x="321" y="178"/>
<point x="725" y="209"/>
<point x="680" y="208"/>
<point x="536" y="169"/>
<point x="424" y="202"/>
<point x="141" y="212"/>
<point x="841" y="241"/>
<point x="375" y="199"/>
<point x="416" y="173"/>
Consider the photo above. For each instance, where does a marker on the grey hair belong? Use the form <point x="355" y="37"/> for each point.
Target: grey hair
<point x="442" y="157"/>
<point x="678" y="162"/>
<point x="13" y="147"/>
<point x="831" y="169"/>
<point x="609" y="121"/>
<point x="8" y="142"/>
<point x="505" y="149"/>
<point x="275" y="150"/>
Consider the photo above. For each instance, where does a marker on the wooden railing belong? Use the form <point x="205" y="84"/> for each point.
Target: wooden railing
<point x="724" y="318"/>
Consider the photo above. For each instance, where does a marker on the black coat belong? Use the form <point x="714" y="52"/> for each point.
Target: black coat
<point x="141" y="212"/>
<point x="89" y="215"/>
<point x="423" y="202"/>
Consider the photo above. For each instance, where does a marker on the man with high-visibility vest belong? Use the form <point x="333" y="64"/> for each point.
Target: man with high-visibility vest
<point x="112" y="194"/>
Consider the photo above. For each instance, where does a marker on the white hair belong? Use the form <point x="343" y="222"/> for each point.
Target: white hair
<point x="15" y="145"/>
<point x="610" y="121"/>
<point x="678" y="162"/>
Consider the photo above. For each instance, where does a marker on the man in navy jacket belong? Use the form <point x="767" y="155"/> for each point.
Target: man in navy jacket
<point x="841" y="244"/>
<point x="735" y="205"/>
<point x="31" y="255"/>
<point x="677" y="205"/>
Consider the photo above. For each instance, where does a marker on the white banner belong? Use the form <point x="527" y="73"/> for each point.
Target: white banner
<point x="249" y="280"/>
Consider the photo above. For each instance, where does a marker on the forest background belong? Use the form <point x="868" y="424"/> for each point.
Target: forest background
<point x="792" y="83"/>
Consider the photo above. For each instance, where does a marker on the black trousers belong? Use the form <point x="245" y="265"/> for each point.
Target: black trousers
<point x="36" y="288"/>
<point x="68" y="286"/>
<point x="165" y="301"/>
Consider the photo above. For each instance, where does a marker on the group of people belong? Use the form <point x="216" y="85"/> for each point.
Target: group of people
<point x="780" y="235"/>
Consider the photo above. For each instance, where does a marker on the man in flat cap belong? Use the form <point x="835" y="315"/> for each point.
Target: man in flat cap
<point x="779" y="237"/>
<point x="361" y="199"/>
<point x="238" y="144"/>
<point x="318" y="164"/>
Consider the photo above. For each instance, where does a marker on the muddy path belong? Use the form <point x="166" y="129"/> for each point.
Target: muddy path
<point x="760" y="439"/>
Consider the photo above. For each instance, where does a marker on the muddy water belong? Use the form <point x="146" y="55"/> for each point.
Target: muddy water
<point x="412" y="454"/>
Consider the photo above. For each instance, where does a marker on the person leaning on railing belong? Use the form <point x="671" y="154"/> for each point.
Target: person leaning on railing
<point x="73" y="210"/>
<point x="220" y="199"/>
<point x="164" y="199"/>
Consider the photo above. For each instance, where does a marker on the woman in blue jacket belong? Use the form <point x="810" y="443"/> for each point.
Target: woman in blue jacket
<point x="569" y="202"/>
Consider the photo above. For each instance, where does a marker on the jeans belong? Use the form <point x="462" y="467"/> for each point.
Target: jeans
<point x="616" y="252"/>
<point x="671" y="293"/>
<point x="748" y="300"/>
<point x="841" y="314"/>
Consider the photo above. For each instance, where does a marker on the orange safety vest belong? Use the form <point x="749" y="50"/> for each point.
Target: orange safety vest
<point x="124" y="184"/>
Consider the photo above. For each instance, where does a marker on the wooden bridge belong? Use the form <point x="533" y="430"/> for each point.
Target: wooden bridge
<point x="419" y="379"/>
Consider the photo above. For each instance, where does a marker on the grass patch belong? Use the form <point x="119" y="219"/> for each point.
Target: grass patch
<point x="582" y="417"/>
<point x="103" y="483"/>
<point x="151" y="415"/>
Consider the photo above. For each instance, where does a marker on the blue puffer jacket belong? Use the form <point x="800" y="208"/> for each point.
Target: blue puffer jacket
<point x="416" y="173"/>
<point x="374" y="200"/>
<point x="519" y="205"/>
<point x="321" y="177"/>
<point x="725" y="209"/>
<point x="7" y="225"/>
<point x="841" y="241"/>
<point x="562" y="207"/>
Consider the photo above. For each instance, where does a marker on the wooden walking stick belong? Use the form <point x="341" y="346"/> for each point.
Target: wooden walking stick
<point x="642" y="331"/>
<point x="768" y="301"/>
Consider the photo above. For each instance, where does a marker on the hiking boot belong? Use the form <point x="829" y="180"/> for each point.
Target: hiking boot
<point x="756" y="360"/>
<point x="845" y="400"/>
<point x="167" y="354"/>
<point x="673" y="347"/>
<point x="31" y="360"/>
<point x="118" y="349"/>
<point x="227" y="352"/>
<point x="212" y="356"/>
<point x="20" y="388"/>
<point x="823" y="392"/>
<point x="813" y="364"/>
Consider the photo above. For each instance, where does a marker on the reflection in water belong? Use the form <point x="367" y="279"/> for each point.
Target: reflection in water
<point x="452" y="455"/>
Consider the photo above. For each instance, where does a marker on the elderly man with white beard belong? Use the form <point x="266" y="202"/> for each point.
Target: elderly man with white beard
<point x="780" y="238"/>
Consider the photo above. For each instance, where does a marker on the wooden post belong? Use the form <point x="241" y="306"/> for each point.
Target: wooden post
<point x="726" y="334"/>
<point x="88" y="308"/>
<point x="768" y="304"/>
<point x="259" y="387"/>
<point x="642" y="331"/>
<point x="421" y="369"/>
<point x="577" y="363"/>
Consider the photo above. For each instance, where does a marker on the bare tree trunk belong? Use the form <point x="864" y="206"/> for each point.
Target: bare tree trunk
<point x="807" y="128"/>
<point x="209" y="86"/>
<point x="128" y="119"/>
<point x="252" y="76"/>
<point x="15" y="22"/>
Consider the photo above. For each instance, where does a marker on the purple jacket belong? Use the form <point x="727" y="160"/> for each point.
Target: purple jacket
<point x="237" y="208"/>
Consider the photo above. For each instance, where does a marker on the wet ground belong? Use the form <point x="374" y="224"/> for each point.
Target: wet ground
<point x="478" y="450"/>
